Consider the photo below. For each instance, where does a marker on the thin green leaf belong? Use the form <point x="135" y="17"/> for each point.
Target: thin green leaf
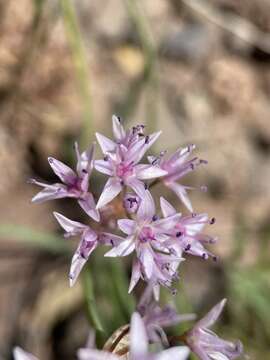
<point x="34" y="238"/>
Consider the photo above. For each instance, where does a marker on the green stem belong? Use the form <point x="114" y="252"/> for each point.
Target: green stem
<point x="81" y="66"/>
<point x="34" y="238"/>
<point x="92" y="311"/>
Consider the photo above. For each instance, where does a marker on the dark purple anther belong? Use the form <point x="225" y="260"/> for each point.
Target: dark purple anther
<point x="212" y="221"/>
<point x="178" y="234"/>
<point x="188" y="247"/>
<point x="147" y="139"/>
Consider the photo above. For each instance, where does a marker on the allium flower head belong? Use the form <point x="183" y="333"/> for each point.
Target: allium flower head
<point x="90" y="239"/>
<point x="157" y="318"/>
<point x="147" y="235"/>
<point x="177" y="166"/>
<point x="138" y="349"/>
<point x="206" y="344"/>
<point x="186" y="235"/>
<point x="74" y="184"/>
<point x="121" y="158"/>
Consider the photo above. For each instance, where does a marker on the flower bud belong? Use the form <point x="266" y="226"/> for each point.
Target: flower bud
<point x="131" y="203"/>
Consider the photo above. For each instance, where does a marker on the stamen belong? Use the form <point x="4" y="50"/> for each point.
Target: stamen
<point x="147" y="139"/>
<point x="212" y="221"/>
<point x="178" y="234"/>
<point x="174" y="292"/>
<point x="204" y="188"/>
<point x="188" y="247"/>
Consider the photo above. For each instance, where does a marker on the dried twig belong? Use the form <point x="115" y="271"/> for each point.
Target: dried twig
<point x="234" y="24"/>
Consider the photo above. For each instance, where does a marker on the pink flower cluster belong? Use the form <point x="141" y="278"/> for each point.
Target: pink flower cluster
<point x="158" y="239"/>
<point x="158" y="243"/>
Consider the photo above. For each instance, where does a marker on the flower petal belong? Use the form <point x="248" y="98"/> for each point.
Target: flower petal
<point x="20" y="354"/>
<point x="105" y="143"/>
<point x="52" y="192"/>
<point x="110" y="239"/>
<point x="181" y="192"/>
<point x="211" y="317"/>
<point x="111" y="189"/>
<point x="118" y="129"/>
<point x="64" y="172"/>
<point x="123" y="249"/>
<point x="93" y="354"/>
<point x="166" y="208"/>
<point x="144" y="171"/>
<point x="138" y="337"/>
<point x="68" y="225"/>
<point x="215" y="355"/>
<point x="135" y="275"/>
<point x="126" y="225"/>
<point x="85" y="159"/>
<point x="87" y="203"/>
<point x="137" y="186"/>
<point x="147" y="208"/>
<point x="77" y="263"/>
<point x="179" y="353"/>
<point x="147" y="260"/>
<point x="104" y="167"/>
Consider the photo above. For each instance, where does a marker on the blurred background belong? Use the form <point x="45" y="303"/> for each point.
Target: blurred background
<point x="197" y="70"/>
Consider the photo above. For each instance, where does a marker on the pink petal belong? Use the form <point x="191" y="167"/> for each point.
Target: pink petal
<point x="87" y="203"/>
<point x="179" y="353"/>
<point x="144" y="171"/>
<point x="168" y="223"/>
<point x="68" y="225"/>
<point x="111" y="189"/>
<point x="147" y="260"/>
<point x="20" y="354"/>
<point x="105" y="143"/>
<point x="77" y="263"/>
<point x="156" y="291"/>
<point x="166" y="208"/>
<point x="138" y="337"/>
<point x="123" y="249"/>
<point x="215" y="355"/>
<point x="137" y="186"/>
<point x="118" y="129"/>
<point x="58" y="191"/>
<point x="93" y="354"/>
<point x="182" y="194"/>
<point x="110" y="239"/>
<point x="211" y="317"/>
<point x="135" y="275"/>
<point x="64" y="172"/>
<point x="104" y="167"/>
<point x="85" y="159"/>
<point x="126" y="225"/>
<point x="147" y="208"/>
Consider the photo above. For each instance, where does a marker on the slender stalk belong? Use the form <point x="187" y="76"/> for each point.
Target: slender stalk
<point x="92" y="311"/>
<point x="150" y="74"/>
<point x="79" y="58"/>
<point x="34" y="238"/>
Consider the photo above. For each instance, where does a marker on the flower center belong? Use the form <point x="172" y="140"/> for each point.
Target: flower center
<point x="124" y="170"/>
<point x="146" y="234"/>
